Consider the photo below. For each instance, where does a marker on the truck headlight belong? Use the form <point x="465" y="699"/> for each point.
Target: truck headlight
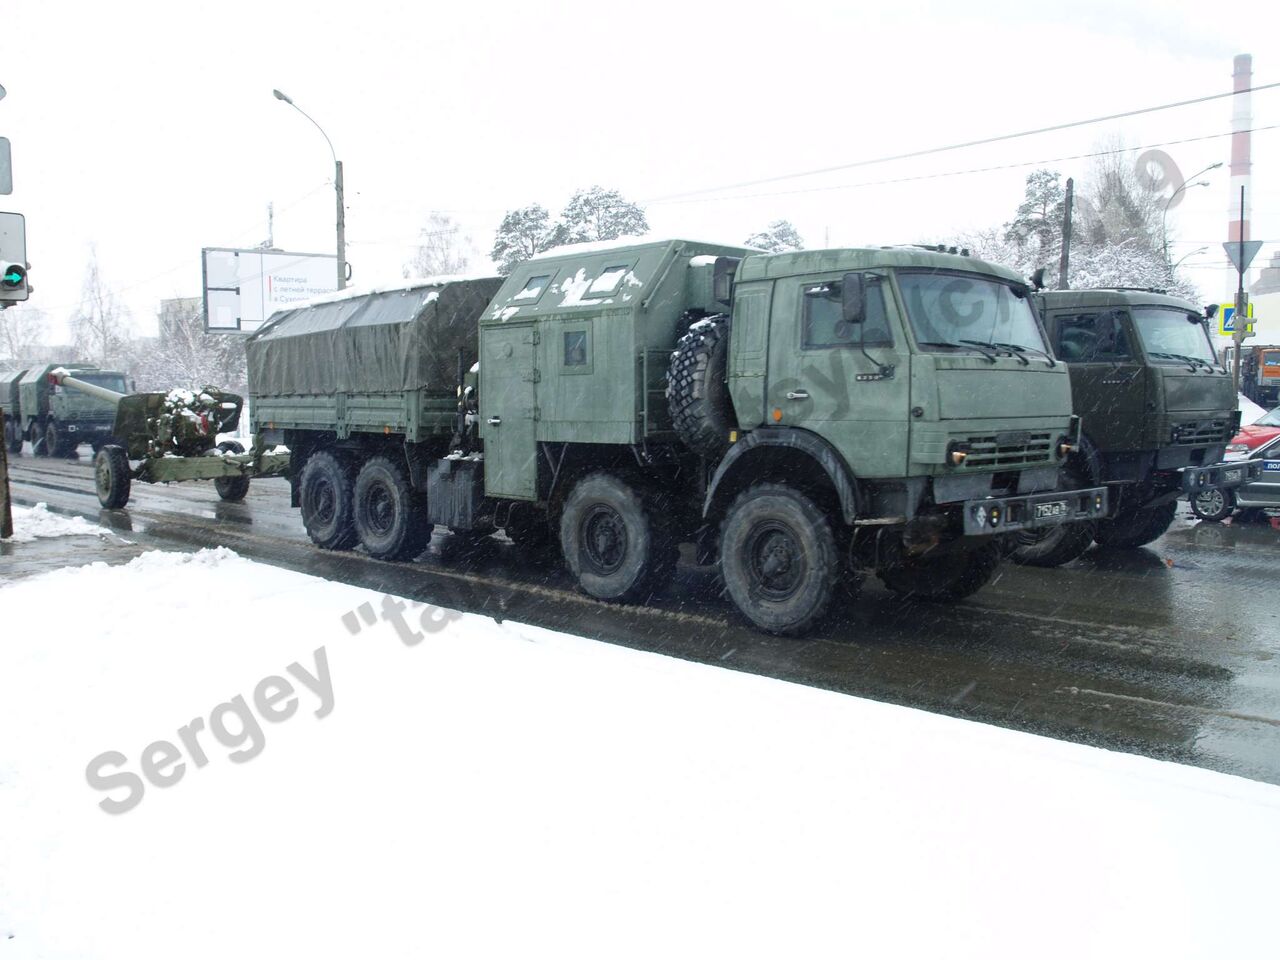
<point x="956" y="453"/>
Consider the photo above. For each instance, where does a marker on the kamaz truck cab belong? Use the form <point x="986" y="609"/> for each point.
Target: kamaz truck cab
<point x="1158" y="411"/>
<point x="797" y="416"/>
<point x="57" y="420"/>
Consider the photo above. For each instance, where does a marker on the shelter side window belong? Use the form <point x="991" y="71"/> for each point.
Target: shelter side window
<point x="577" y="349"/>
<point x="533" y="289"/>
<point x="824" y="325"/>
<point x="1092" y="338"/>
<point x="608" y="281"/>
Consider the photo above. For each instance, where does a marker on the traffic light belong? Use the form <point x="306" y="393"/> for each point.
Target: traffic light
<point x="14" y="287"/>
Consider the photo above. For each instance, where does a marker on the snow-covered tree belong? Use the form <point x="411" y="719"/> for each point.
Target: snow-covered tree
<point x="100" y="325"/>
<point x="443" y="250"/>
<point x="1037" y="225"/>
<point x="21" y="336"/>
<point x="779" y="237"/>
<point x="522" y="234"/>
<point x="184" y="355"/>
<point x="599" y="214"/>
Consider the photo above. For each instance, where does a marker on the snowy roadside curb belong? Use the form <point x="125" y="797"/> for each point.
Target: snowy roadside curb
<point x="31" y="523"/>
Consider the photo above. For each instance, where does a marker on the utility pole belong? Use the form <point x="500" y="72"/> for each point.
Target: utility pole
<point x="342" y="226"/>
<point x="1241" y="321"/>
<point x="1064" y="263"/>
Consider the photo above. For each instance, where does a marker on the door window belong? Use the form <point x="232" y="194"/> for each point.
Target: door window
<point x="1092" y="338"/>
<point x="824" y="326"/>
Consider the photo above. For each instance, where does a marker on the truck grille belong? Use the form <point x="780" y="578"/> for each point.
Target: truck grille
<point x="1008" y="450"/>
<point x="1202" y="431"/>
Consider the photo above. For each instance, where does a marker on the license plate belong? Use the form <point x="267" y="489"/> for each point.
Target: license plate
<point x="1055" y="508"/>
<point x="1232" y="476"/>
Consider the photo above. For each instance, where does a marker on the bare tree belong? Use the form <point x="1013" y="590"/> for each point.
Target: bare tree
<point x="184" y="355"/>
<point x="443" y="249"/>
<point x="99" y="327"/>
<point x="21" y="335"/>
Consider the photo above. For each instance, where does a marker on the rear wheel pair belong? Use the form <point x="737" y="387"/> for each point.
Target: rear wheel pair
<point x="375" y="506"/>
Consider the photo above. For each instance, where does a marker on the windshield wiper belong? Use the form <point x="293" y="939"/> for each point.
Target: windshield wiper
<point x="1192" y="362"/>
<point x="1008" y="348"/>
<point x="956" y="346"/>
<point x="995" y="349"/>
<point x="1020" y="349"/>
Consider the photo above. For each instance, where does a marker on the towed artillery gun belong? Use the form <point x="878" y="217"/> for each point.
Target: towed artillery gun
<point x="173" y="437"/>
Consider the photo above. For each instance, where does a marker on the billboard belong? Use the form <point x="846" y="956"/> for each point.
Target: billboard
<point x="244" y="287"/>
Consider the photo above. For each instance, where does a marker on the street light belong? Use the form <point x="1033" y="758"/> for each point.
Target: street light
<point x="1164" y="233"/>
<point x="1193" y="253"/>
<point x="337" y="186"/>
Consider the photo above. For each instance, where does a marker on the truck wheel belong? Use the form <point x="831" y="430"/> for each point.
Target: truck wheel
<point x="1136" y="528"/>
<point x="1052" y="546"/>
<point x="56" y="443"/>
<point x="231" y="489"/>
<point x="111" y="477"/>
<point x="946" y="578"/>
<point x="325" y="496"/>
<point x="13" y="437"/>
<point x="1213" y="504"/>
<point x="779" y="559"/>
<point x="615" y="539"/>
<point x="389" y="515"/>
<point x="697" y="394"/>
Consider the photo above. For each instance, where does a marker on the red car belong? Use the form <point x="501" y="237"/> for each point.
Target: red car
<point x="1257" y="434"/>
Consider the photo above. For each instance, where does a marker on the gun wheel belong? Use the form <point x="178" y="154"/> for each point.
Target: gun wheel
<point x="112" y="477"/>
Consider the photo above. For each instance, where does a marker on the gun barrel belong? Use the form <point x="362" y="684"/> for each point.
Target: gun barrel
<point x="92" y="389"/>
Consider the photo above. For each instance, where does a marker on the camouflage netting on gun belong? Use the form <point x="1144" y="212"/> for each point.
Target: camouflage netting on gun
<point x="379" y="342"/>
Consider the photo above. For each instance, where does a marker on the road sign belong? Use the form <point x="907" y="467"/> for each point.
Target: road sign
<point x="1227" y="318"/>
<point x="1250" y="250"/>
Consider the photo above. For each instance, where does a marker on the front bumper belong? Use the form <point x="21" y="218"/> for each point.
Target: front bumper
<point x="1221" y="475"/>
<point x="994" y="515"/>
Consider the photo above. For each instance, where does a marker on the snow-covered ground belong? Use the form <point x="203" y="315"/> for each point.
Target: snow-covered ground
<point x="494" y="789"/>
<point x="29" y="523"/>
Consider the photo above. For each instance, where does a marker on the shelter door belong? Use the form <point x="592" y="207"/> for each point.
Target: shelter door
<point x="508" y="411"/>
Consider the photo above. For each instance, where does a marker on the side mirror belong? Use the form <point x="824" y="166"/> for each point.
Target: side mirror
<point x="1210" y="311"/>
<point x="133" y="386"/>
<point x="1037" y="279"/>
<point x="853" y="298"/>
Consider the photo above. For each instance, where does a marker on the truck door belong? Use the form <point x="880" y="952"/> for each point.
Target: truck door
<point x="1107" y="383"/>
<point x="508" y="412"/>
<point x="829" y="377"/>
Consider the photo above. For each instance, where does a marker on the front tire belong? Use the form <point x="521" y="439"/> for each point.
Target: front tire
<point x="1214" y="504"/>
<point x="13" y="437"/>
<point x="325" y="496"/>
<point x="1136" y="528"/>
<point x="389" y="516"/>
<point x="946" y="578"/>
<point x="616" y="540"/>
<point x="111" y="477"/>
<point x="779" y="559"/>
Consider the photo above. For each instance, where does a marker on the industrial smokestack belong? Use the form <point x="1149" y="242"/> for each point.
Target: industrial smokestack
<point x="1241" y="161"/>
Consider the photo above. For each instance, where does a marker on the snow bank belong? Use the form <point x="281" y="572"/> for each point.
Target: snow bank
<point x="32" y="522"/>
<point x="501" y="790"/>
<point x="1250" y="412"/>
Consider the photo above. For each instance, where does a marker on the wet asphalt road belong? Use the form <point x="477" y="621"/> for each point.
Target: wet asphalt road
<point x="1172" y="651"/>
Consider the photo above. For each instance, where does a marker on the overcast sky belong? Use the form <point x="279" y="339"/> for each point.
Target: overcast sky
<point x="148" y="130"/>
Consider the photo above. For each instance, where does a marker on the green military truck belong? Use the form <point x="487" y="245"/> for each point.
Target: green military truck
<point x="11" y="410"/>
<point x="57" y="420"/>
<point x="1158" y="411"/>
<point x="796" y="416"/>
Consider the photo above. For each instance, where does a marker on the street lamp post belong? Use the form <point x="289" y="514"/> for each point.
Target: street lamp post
<point x="1164" y="233"/>
<point x="337" y="186"/>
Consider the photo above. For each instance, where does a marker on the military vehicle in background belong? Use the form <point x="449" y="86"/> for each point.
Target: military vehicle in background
<point x="1158" y="411"/>
<point x="798" y="416"/>
<point x="56" y="420"/>
<point x="10" y="409"/>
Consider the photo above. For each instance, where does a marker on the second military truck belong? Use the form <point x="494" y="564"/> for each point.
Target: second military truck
<point x="1158" y="412"/>
<point x="797" y="416"/>
<point x="54" y="419"/>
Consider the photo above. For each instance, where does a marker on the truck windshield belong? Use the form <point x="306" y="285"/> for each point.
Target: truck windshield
<point x="1171" y="336"/>
<point x="956" y="310"/>
<point x="111" y="381"/>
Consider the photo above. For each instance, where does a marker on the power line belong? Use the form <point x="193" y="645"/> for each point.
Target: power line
<point x="965" y="172"/>
<point x="961" y="146"/>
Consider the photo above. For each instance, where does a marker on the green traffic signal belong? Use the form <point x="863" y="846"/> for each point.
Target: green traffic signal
<point x="13" y="277"/>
